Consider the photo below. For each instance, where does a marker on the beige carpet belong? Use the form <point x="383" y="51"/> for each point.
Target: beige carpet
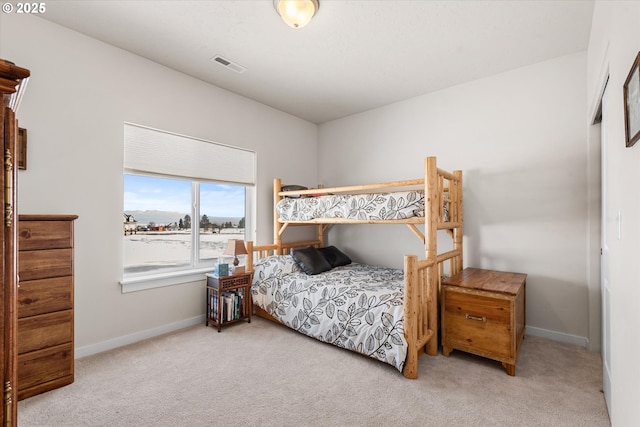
<point x="262" y="374"/>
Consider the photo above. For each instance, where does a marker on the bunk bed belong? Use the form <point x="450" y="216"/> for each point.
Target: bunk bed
<point x="399" y="307"/>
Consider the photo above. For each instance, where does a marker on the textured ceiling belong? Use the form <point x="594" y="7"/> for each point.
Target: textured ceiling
<point x="353" y="56"/>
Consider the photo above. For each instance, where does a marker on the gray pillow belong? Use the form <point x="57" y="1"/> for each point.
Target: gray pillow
<point x="293" y="188"/>
<point x="310" y="260"/>
<point x="334" y="256"/>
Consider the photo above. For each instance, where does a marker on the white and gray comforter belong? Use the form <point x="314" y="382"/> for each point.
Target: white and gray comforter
<point x="379" y="206"/>
<point x="357" y="307"/>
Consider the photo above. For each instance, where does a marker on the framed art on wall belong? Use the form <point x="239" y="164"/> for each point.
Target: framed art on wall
<point x="22" y="148"/>
<point x="632" y="104"/>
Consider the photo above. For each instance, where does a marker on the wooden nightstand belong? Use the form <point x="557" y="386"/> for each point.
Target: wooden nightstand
<point x="483" y="312"/>
<point x="228" y="299"/>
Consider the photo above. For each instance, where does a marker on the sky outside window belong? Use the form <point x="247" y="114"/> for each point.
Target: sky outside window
<point x="174" y="195"/>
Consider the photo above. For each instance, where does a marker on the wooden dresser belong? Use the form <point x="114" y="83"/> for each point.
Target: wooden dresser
<point x="484" y="313"/>
<point x="45" y="303"/>
<point x="13" y="81"/>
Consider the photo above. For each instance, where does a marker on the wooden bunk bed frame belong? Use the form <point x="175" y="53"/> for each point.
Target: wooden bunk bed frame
<point x="422" y="277"/>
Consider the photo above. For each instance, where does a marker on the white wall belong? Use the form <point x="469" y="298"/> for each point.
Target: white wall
<point x="520" y="140"/>
<point x="614" y="44"/>
<point x="80" y="93"/>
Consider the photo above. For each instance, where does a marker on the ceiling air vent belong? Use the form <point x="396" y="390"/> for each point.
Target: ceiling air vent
<point x="228" y="64"/>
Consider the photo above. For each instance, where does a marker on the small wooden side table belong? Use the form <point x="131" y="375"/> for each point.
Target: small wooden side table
<point x="228" y="299"/>
<point x="483" y="312"/>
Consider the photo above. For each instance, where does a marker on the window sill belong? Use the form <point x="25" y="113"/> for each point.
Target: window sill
<point x="141" y="283"/>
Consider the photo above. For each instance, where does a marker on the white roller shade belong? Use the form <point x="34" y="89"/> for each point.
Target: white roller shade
<point x="165" y="153"/>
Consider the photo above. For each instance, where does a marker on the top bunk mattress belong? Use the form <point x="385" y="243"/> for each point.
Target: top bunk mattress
<point x="362" y="207"/>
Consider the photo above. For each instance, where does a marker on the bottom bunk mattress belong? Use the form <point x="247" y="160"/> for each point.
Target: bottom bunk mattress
<point x="357" y="307"/>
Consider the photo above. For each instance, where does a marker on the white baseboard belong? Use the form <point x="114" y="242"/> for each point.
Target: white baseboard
<point x="88" y="350"/>
<point x="557" y="336"/>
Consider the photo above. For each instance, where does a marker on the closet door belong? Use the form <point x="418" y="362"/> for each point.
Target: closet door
<point x="12" y="82"/>
<point x="609" y="228"/>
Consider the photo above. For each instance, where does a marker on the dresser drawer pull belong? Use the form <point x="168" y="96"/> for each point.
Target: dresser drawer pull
<point x="479" y="319"/>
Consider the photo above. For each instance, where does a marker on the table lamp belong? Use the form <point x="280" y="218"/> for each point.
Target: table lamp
<point x="235" y="247"/>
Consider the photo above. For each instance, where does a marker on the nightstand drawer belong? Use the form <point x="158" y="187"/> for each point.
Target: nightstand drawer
<point x="478" y="320"/>
<point x="229" y="282"/>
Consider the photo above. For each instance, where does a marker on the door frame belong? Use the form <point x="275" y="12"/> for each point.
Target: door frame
<point x="599" y="316"/>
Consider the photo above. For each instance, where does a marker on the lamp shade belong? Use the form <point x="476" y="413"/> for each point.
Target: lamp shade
<point x="296" y="13"/>
<point x="235" y="247"/>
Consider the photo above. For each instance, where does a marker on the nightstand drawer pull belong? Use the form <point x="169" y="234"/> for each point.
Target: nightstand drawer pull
<point x="479" y="319"/>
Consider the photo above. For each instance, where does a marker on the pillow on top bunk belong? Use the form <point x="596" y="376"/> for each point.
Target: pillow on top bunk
<point x="310" y="260"/>
<point x="293" y="188"/>
<point x="334" y="256"/>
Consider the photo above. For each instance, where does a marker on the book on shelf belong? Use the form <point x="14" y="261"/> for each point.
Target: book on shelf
<point x="214" y="305"/>
<point x="231" y="305"/>
<point x="228" y="306"/>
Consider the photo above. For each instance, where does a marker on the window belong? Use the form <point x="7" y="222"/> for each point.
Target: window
<point x="180" y="205"/>
<point x="159" y="213"/>
<point x="159" y="237"/>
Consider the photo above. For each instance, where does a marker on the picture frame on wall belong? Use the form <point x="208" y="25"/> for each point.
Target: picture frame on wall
<point x="632" y="104"/>
<point x="22" y="148"/>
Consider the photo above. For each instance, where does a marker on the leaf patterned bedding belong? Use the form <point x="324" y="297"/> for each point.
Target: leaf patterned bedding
<point x="378" y="206"/>
<point x="357" y="307"/>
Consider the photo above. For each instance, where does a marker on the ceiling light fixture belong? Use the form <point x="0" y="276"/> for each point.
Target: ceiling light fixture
<point x="296" y="13"/>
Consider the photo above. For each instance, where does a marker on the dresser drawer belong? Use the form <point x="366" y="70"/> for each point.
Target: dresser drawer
<point x="480" y="321"/>
<point x="40" y="367"/>
<point x="45" y="263"/>
<point x="45" y="296"/>
<point x="44" y="234"/>
<point x="44" y="330"/>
